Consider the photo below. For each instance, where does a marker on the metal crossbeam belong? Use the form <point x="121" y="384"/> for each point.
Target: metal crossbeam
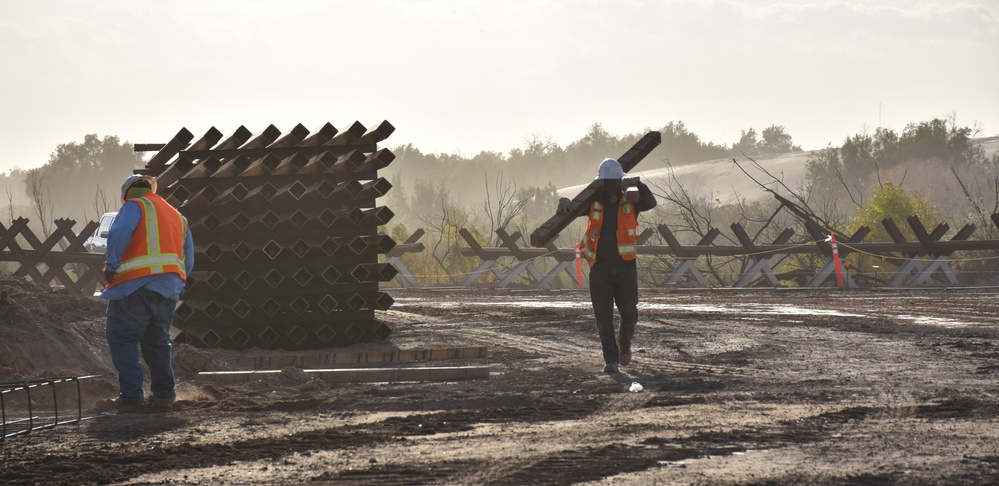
<point x="757" y="264"/>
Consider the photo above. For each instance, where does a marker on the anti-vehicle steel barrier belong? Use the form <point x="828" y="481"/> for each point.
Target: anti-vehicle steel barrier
<point x="394" y="258"/>
<point x="59" y="259"/>
<point x="926" y="261"/>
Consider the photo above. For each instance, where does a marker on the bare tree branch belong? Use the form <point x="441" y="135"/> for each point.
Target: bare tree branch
<point x="101" y="204"/>
<point x="10" y="204"/>
<point x="842" y="181"/>
<point x="507" y="207"/>
<point x="41" y="200"/>
<point x="974" y="202"/>
<point x="801" y="203"/>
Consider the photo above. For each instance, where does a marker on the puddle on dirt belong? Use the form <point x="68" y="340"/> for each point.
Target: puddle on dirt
<point x="527" y="304"/>
<point x="937" y="321"/>
<point x="743" y="309"/>
<point x="752" y="309"/>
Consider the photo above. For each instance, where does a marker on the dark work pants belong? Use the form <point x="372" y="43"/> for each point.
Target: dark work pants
<point x="141" y="321"/>
<point x="610" y="285"/>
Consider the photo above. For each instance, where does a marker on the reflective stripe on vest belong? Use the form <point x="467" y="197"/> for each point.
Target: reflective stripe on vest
<point x="597" y="212"/>
<point x="157" y="244"/>
<point x="154" y="263"/>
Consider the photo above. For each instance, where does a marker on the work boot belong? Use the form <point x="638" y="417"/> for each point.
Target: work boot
<point x="160" y="403"/>
<point x="610" y="368"/>
<point x="624" y="354"/>
<point x="126" y="405"/>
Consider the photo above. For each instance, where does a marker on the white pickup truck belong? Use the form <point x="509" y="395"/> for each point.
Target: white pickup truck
<point x="95" y="243"/>
<point x="98" y="242"/>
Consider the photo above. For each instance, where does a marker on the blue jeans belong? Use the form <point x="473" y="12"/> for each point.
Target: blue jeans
<point x="609" y="285"/>
<point x="141" y="320"/>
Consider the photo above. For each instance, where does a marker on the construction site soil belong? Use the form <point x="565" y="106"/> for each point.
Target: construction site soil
<point x="750" y="386"/>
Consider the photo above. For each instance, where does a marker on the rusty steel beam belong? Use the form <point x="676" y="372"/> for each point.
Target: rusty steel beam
<point x="277" y="151"/>
<point x="319" y="136"/>
<point x="208" y="140"/>
<point x="292" y="138"/>
<point x="280" y="310"/>
<point x="378" y="330"/>
<point x="266" y="137"/>
<point x="259" y="284"/>
<point x="374" y="272"/>
<point x="179" y="141"/>
<point x="236" y="139"/>
<point x="376" y="161"/>
<point x="147" y="147"/>
<point x="376" y="135"/>
<point x="349" y="136"/>
<point x="581" y="203"/>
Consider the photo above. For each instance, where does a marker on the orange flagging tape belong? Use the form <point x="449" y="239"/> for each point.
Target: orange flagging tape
<point x="579" y="267"/>
<point x="835" y="251"/>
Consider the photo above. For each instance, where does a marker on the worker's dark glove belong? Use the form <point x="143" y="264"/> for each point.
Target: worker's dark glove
<point x="564" y="206"/>
<point x="630" y="187"/>
<point x="109" y="276"/>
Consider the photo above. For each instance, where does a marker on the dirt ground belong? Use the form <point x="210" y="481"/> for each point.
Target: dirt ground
<point x="768" y="386"/>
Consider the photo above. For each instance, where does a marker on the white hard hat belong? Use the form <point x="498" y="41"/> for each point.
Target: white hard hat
<point x="132" y="179"/>
<point x="610" y="169"/>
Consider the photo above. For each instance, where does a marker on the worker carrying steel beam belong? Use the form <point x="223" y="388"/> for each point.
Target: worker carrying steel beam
<point x="150" y="253"/>
<point x="610" y="248"/>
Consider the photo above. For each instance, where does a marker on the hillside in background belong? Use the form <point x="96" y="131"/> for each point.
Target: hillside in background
<point x="724" y="182"/>
<point x="721" y="178"/>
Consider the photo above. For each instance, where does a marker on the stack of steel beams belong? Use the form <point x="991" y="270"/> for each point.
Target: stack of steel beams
<point x="286" y="235"/>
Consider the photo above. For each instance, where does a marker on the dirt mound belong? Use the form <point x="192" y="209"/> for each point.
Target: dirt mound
<point x="48" y="333"/>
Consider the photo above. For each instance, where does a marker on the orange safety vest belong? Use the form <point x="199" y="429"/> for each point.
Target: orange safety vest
<point x="157" y="244"/>
<point x="627" y="231"/>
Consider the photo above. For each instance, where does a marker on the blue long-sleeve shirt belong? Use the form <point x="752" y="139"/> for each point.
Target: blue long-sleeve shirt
<point x="169" y="285"/>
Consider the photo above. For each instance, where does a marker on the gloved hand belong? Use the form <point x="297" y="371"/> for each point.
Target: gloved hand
<point x="564" y="206"/>
<point x="109" y="275"/>
<point x="630" y="187"/>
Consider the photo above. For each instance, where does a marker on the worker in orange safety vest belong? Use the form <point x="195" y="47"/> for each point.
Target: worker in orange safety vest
<point x="610" y="248"/>
<point x="150" y="253"/>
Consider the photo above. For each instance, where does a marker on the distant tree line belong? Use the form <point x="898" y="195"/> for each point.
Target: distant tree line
<point x="866" y="160"/>
<point x="933" y="169"/>
<point x="80" y="181"/>
<point x="423" y="180"/>
<point x="542" y="160"/>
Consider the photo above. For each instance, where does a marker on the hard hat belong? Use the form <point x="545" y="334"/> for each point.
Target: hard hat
<point x="610" y="169"/>
<point x="134" y="178"/>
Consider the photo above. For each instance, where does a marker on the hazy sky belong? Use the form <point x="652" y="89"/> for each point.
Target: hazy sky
<point x="467" y="76"/>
